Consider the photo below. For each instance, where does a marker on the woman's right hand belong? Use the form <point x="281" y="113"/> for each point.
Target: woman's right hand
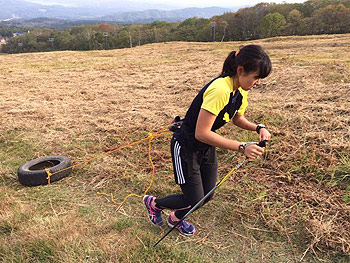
<point x="253" y="151"/>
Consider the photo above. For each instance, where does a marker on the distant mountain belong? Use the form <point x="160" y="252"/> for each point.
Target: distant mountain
<point x="24" y="14"/>
<point x="53" y="23"/>
<point x="149" y="16"/>
<point x="114" y="11"/>
<point x="114" y="5"/>
<point x="12" y="9"/>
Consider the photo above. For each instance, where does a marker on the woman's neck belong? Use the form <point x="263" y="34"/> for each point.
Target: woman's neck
<point x="235" y="82"/>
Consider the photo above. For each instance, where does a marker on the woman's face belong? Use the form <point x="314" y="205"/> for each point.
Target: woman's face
<point x="247" y="80"/>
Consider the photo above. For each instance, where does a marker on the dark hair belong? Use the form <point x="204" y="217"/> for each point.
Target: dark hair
<point x="251" y="57"/>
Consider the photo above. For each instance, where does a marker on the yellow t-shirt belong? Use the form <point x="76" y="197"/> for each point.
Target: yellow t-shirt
<point x="217" y="96"/>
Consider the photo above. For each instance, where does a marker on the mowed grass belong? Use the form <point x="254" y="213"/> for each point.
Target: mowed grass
<point x="290" y="206"/>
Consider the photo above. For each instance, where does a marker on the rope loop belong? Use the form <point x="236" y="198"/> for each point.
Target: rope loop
<point x="49" y="174"/>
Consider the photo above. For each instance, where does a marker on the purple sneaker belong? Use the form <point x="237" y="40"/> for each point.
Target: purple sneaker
<point x="154" y="213"/>
<point x="184" y="227"/>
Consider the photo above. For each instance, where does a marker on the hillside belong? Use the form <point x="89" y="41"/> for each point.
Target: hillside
<point x="19" y="11"/>
<point x="290" y="206"/>
<point x="149" y="16"/>
<point x="26" y="10"/>
<point x="45" y="20"/>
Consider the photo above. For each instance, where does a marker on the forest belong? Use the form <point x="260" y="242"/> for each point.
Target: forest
<point x="264" y="20"/>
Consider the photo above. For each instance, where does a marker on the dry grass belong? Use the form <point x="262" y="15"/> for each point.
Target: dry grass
<point x="81" y="103"/>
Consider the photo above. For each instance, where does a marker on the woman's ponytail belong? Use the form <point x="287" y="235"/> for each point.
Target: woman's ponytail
<point x="230" y="68"/>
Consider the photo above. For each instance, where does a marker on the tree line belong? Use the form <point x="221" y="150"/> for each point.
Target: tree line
<point x="260" y="21"/>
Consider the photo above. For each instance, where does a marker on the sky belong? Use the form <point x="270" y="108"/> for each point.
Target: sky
<point x="169" y="3"/>
<point x="221" y="3"/>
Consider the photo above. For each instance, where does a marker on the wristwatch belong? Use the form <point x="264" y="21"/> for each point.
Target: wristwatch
<point x="241" y="148"/>
<point x="260" y="126"/>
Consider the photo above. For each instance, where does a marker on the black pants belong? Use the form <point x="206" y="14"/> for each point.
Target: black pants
<point x="195" y="172"/>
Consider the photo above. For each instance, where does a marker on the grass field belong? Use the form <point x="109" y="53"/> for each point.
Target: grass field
<point x="292" y="205"/>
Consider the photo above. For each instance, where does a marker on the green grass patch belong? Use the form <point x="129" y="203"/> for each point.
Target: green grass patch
<point x="123" y="223"/>
<point x="87" y="211"/>
<point x="340" y="174"/>
<point x="7" y="228"/>
<point x="17" y="145"/>
<point x="336" y="77"/>
<point x="306" y="162"/>
<point x="42" y="251"/>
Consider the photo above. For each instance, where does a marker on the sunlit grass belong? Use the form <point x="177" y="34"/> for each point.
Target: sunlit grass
<point x="81" y="104"/>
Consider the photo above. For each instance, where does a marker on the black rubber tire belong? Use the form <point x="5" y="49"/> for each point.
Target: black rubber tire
<point x="33" y="172"/>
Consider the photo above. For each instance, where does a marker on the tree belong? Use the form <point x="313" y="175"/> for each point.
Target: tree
<point x="243" y="24"/>
<point x="83" y="38"/>
<point x="294" y="20"/>
<point x="271" y="25"/>
<point x="64" y="40"/>
<point x="343" y="15"/>
<point x="193" y="29"/>
<point x="104" y="28"/>
<point x="261" y="20"/>
<point x="120" y="40"/>
<point x="224" y="25"/>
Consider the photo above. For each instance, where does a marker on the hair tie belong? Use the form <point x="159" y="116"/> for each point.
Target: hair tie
<point x="236" y="54"/>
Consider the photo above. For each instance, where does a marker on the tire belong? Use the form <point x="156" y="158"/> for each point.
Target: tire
<point x="33" y="172"/>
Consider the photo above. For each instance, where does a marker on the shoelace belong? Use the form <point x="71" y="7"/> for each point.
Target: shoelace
<point x="154" y="212"/>
<point x="184" y="224"/>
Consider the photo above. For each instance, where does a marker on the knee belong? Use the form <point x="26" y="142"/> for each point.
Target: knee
<point x="210" y="197"/>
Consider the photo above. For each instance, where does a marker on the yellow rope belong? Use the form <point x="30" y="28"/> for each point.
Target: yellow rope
<point x="49" y="174"/>
<point x="150" y="137"/>
<point x="157" y="134"/>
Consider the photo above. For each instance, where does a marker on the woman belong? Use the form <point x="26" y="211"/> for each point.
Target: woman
<point x="193" y="145"/>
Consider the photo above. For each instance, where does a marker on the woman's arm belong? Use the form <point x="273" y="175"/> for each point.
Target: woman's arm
<point x="240" y="121"/>
<point x="204" y="134"/>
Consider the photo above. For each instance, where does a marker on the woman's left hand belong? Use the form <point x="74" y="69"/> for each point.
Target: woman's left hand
<point x="264" y="135"/>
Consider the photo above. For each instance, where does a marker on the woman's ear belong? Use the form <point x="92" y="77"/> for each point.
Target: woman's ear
<point x="240" y="70"/>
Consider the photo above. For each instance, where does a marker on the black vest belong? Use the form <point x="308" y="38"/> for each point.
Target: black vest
<point x="185" y="135"/>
